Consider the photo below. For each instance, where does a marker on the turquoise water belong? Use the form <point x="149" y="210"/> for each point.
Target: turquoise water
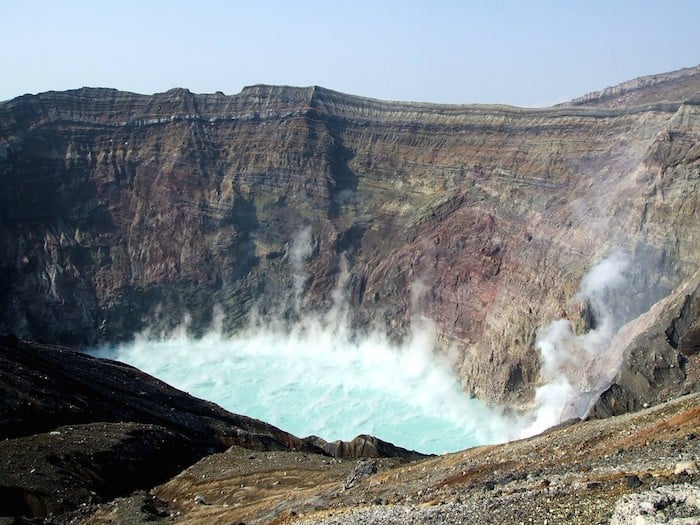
<point x="315" y="380"/>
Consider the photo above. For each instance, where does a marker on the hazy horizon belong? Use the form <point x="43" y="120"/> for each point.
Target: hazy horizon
<point x="510" y="52"/>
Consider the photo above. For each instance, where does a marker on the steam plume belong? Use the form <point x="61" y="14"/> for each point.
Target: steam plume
<point x="314" y="375"/>
<point x="570" y="363"/>
<point x="299" y="252"/>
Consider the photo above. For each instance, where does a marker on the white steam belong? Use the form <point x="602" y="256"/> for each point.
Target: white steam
<point x="574" y="364"/>
<point x="319" y="377"/>
<point x="301" y="248"/>
<point x="299" y="252"/>
<point x="609" y="274"/>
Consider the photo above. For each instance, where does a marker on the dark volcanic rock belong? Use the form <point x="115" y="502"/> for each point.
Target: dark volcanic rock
<point x="79" y="430"/>
<point x="43" y="387"/>
<point x="79" y="465"/>
<point x="660" y="362"/>
<point x="364" y="446"/>
<point x="76" y="430"/>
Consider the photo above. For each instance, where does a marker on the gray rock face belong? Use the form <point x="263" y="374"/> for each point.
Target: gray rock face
<point x="674" y="504"/>
<point x="121" y="211"/>
<point x="660" y="361"/>
<point x="363" y="469"/>
<point x="645" y="90"/>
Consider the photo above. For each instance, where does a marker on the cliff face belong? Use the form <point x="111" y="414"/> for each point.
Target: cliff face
<point x="121" y="211"/>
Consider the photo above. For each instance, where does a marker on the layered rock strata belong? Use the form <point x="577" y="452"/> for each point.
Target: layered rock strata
<point x="122" y="211"/>
<point x="88" y="441"/>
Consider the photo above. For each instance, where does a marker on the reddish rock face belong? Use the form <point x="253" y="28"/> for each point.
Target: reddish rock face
<point x="121" y="211"/>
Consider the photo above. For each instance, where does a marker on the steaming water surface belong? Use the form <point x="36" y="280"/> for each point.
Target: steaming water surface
<point x="315" y="381"/>
<point x="316" y="378"/>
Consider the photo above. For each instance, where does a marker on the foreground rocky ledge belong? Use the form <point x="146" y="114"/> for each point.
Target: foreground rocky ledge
<point x="627" y="469"/>
<point x="79" y="430"/>
<point x="95" y="441"/>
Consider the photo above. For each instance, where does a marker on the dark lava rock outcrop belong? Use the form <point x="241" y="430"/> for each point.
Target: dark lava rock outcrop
<point x="122" y="211"/>
<point x="364" y="446"/>
<point x="45" y="386"/>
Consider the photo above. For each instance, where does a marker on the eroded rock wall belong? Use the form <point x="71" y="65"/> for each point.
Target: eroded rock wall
<point x="122" y="211"/>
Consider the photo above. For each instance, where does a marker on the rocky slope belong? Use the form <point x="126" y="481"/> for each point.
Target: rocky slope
<point x="122" y="211"/>
<point x="626" y="469"/>
<point x="661" y="357"/>
<point x="76" y="430"/>
<point x="124" y="448"/>
<point x="651" y="89"/>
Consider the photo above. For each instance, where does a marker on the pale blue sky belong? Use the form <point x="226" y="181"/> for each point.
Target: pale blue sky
<point x="524" y="53"/>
